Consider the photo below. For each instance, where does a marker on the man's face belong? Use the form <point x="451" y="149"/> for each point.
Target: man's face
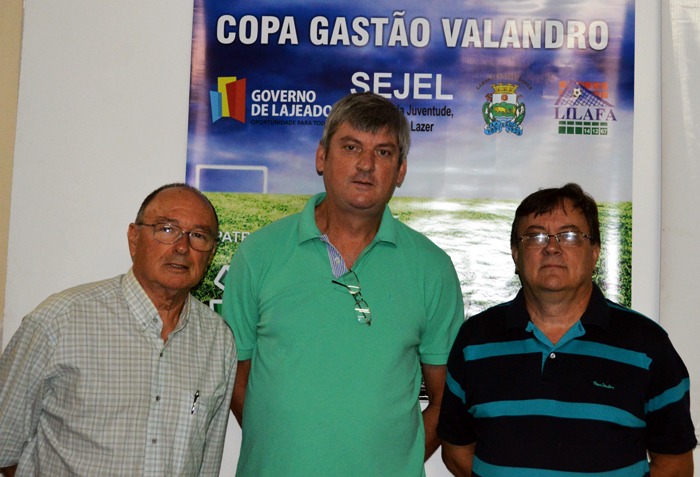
<point x="360" y="169"/>
<point x="555" y="268"/>
<point x="168" y="269"/>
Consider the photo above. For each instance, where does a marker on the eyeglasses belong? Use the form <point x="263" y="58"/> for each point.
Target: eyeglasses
<point x="352" y="283"/>
<point x="564" y="239"/>
<point x="169" y="234"/>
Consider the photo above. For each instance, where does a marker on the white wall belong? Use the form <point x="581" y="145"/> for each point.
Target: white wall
<point x="680" y="191"/>
<point x="102" y="121"/>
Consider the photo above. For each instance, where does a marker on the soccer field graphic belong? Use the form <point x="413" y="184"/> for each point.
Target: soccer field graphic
<point x="475" y="233"/>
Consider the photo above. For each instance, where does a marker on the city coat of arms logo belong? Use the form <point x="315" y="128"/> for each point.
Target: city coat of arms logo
<point x="502" y="110"/>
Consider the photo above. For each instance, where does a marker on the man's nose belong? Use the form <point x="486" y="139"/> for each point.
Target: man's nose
<point x="553" y="245"/>
<point x="366" y="161"/>
<point x="182" y="244"/>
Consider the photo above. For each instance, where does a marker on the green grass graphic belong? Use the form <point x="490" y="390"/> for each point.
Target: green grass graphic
<point x="475" y="233"/>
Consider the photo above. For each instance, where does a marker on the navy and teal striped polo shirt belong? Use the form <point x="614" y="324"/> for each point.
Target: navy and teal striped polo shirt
<point x="612" y="388"/>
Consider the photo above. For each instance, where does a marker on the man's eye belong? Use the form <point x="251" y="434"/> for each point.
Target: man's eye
<point x="538" y="237"/>
<point x="197" y="235"/>
<point x="351" y="148"/>
<point x="166" y="228"/>
<point x="569" y="236"/>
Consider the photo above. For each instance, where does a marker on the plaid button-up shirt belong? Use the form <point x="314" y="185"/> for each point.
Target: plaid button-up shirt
<point x="88" y="388"/>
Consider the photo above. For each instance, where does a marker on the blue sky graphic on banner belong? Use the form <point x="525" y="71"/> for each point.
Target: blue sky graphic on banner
<point x="503" y="98"/>
<point x="447" y="64"/>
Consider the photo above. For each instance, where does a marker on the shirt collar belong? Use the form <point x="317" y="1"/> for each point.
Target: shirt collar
<point x="597" y="312"/>
<point x="388" y="231"/>
<point x="141" y="305"/>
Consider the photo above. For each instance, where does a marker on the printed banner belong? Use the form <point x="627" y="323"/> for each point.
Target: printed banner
<point x="502" y="99"/>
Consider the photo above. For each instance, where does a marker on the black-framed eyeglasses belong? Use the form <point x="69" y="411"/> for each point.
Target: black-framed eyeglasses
<point x="564" y="239"/>
<point x="169" y="234"/>
<point x="352" y="283"/>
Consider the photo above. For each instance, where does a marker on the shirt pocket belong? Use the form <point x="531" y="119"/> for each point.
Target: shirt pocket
<point x="190" y="436"/>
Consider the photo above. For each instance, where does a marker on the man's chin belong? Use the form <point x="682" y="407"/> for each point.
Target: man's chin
<point x="553" y="284"/>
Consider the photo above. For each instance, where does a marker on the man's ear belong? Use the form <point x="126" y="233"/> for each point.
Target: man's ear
<point x="402" y="173"/>
<point x="132" y="237"/>
<point x="212" y="252"/>
<point x="514" y="254"/>
<point x="596" y="254"/>
<point x="320" y="159"/>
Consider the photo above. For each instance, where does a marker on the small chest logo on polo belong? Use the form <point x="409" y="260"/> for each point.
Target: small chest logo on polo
<point x="603" y="385"/>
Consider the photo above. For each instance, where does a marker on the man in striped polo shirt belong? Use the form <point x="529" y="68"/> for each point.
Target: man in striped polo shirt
<point x="561" y="381"/>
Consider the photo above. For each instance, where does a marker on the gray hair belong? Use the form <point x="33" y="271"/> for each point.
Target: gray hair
<point x="368" y="112"/>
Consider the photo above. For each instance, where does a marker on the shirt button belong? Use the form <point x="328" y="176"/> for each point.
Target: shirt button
<point x="155" y="320"/>
<point x="154" y="441"/>
<point x="336" y="260"/>
<point x="157" y="398"/>
<point x="552" y="355"/>
<point x="161" y="354"/>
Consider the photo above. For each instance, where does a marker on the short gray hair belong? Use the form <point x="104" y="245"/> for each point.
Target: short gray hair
<point x="368" y="112"/>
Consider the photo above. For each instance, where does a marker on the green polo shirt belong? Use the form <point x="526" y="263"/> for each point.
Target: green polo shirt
<point x="326" y="394"/>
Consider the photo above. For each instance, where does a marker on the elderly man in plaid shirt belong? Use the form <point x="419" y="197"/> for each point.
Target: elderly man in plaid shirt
<point x="127" y="376"/>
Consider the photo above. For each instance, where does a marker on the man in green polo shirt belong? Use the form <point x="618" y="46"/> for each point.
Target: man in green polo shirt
<point x="336" y="310"/>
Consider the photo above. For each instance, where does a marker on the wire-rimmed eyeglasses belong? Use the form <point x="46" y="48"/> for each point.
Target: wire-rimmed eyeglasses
<point x="568" y="238"/>
<point x="169" y="234"/>
<point x="352" y="283"/>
